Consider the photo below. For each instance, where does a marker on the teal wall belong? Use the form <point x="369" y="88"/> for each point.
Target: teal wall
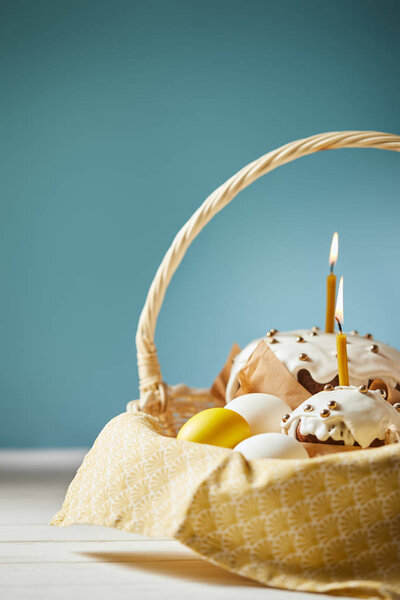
<point x="117" y="119"/>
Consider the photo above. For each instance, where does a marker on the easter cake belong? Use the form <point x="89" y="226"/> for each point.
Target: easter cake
<point x="345" y="415"/>
<point x="309" y="355"/>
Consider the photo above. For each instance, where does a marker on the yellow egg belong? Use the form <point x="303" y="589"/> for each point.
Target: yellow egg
<point x="215" y="426"/>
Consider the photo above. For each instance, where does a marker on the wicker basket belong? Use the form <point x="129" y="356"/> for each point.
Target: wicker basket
<point x="327" y="524"/>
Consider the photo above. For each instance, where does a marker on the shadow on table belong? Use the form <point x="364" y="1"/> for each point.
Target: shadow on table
<point x="190" y="568"/>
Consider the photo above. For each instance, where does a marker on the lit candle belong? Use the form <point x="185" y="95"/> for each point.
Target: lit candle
<point x="341" y="340"/>
<point x="331" y="286"/>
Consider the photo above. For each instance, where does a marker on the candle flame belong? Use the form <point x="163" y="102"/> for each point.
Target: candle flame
<point x="339" y="304"/>
<point x="334" y="249"/>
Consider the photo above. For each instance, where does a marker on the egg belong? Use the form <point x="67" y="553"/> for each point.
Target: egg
<point x="263" y="412"/>
<point x="271" y="445"/>
<point x="215" y="426"/>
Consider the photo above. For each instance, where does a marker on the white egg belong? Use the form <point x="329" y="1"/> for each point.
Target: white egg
<point x="271" y="445"/>
<point x="263" y="412"/>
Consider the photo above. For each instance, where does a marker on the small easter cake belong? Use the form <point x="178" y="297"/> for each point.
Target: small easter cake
<point x="310" y="356"/>
<point x="347" y="416"/>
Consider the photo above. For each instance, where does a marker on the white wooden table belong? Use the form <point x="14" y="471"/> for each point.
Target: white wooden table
<point x="42" y="562"/>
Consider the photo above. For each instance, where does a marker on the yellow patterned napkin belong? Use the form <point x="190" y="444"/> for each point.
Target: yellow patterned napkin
<point x="330" y="524"/>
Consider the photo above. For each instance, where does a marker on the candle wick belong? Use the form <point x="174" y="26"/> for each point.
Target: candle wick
<point x="331" y="267"/>
<point x="340" y="326"/>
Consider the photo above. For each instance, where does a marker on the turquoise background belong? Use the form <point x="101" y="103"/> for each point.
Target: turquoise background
<point x="117" y="119"/>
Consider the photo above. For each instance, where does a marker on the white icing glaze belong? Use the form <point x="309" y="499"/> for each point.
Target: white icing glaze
<point x="322" y="363"/>
<point x="358" y="417"/>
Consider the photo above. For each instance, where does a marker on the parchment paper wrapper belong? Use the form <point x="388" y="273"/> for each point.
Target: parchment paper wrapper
<point x="265" y="373"/>
<point x="331" y="524"/>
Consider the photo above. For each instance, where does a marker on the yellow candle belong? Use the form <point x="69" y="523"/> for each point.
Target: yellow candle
<point x="331" y="287"/>
<point x="341" y="345"/>
<point x="330" y="303"/>
<point x="341" y="342"/>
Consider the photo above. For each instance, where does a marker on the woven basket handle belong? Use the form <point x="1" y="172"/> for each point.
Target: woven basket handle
<point x="152" y="389"/>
